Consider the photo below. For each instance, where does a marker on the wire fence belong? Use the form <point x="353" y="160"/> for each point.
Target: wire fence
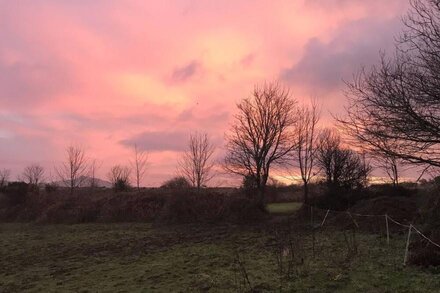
<point x="385" y="217"/>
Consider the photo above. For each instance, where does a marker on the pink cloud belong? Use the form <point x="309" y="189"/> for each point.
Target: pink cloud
<point x="101" y="72"/>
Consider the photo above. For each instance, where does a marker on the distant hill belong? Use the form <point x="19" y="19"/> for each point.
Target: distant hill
<point x="85" y="181"/>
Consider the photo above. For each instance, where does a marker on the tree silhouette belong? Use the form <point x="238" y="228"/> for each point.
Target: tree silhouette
<point x="196" y="163"/>
<point x="261" y="134"/>
<point x="398" y="101"/>
<point x="73" y="172"/>
<point x="305" y="142"/>
<point x="139" y="165"/>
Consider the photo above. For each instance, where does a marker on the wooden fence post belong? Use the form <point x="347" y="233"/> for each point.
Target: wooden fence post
<point x="405" y="259"/>
<point x="388" y="230"/>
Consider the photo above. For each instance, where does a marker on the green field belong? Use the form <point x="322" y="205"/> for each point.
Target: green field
<point x="283" y="208"/>
<point x="194" y="258"/>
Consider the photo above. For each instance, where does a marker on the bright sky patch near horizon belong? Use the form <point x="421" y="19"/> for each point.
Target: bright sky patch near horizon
<point x="108" y="74"/>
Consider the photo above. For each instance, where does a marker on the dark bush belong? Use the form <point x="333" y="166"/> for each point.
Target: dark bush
<point x="16" y="192"/>
<point x="249" y="186"/>
<point x="422" y="252"/>
<point x="70" y="212"/>
<point x="50" y="187"/>
<point x="392" y="191"/>
<point x="131" y="207"/>
<point x="121" y="185"/>
<point x="242" y="210"/>
<point x="188" y="207"/>
<point x="209" y="207"/>
<point x="179" y="182"/>
<point x="338" y="198"/>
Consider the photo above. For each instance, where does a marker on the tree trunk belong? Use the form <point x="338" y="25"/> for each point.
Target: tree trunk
<point x="260" y="197"/>
<point x="306" y="192"/>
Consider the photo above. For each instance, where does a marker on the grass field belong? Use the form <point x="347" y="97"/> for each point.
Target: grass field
<point x="283" y="208"/>
<point x="194" y="258"/>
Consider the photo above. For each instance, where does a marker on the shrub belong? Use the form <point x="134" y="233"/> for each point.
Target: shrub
<point x="209" y="207"/>
<point x="50" y="187"/>
<point x="179" y="182"/>
<point x="422" y="252"/>
<point x="239" y="209"/>
<point x="249" y="186"/>
<point x="121" y="185"/>
<point x="131" y="207"/>
<point x="119" y="177"/>
<point x="70" y="212"/>
<point x="394" y="191"/>
<point x="16" y="193"/>
<point x="339" y="198"/>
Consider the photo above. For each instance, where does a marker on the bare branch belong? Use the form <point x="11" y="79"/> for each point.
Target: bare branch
<point x="74" y="170"/>
<point x="196" y="164"/>
<point x="305" y="142"/>
<point x="394" y="108"/>
<point x="33" y="174"/>
<point x="4" y="177"/>
<point x="119" y="176"/>
<point x="139" y="165"/>
<point x="261" y="134"/>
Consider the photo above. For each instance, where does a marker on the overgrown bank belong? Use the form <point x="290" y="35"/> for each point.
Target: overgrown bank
<point x="153" y="205"/>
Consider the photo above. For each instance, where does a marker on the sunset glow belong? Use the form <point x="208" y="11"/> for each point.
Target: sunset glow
<point x="109" y="74"/>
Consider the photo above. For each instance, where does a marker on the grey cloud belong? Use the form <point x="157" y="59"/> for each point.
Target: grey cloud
<point x="156" y="141"/>
<point x="324" y="66"/>
<point x="184" y="73"/>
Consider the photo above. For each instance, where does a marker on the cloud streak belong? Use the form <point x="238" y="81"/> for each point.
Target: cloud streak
<point x="158" y="141"/>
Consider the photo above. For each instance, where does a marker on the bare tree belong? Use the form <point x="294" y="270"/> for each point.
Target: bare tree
<point x="305" y="140"/>
<point x="197" y="163"/>
<point x="261" y="134"/>
<point x="74" y="170"/>
<point x="4" y="177"/>
<point x="139" y="165"/>
<point x="33" y="174"/>
<point x="392" y="165"/>
<point x="119" y="176"/>
<point x="341" y="167"/>
<point x="94" y="165"/>
<point x="399" y="100"/>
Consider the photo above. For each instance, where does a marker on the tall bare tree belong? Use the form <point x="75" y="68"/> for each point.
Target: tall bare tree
<point x="139" y="165"/>
<point x="33" y="174"/>
<point x="4" y="177"/>
<point x="305" y="142"/>
<point x="74" y="170"/>
<point x="197" y="163"/>
<point x="399" y="100"/>
<point x="261" y="134"/>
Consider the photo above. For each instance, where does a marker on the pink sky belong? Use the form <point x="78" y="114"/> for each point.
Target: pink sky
<point x="106" y="74"/>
